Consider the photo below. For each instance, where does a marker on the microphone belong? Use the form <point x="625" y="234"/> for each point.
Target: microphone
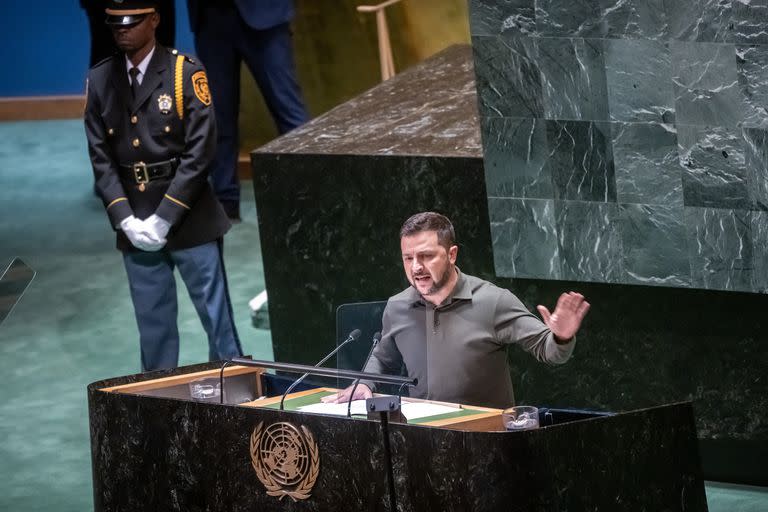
<point x="352" y="337"/>
<point x="376" y="340"/>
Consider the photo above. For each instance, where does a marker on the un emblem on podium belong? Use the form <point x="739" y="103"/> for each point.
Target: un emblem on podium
<point x="286" y="459"/>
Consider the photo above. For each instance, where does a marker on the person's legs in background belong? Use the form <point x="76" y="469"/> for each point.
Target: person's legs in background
<point x="215" y="46"/>
<point x="269" y="56"/>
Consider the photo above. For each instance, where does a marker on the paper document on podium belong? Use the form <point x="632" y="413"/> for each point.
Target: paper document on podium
<point x="358" y="407"/>
<point x="411" y="410"/>
<point x="416" y="410"/>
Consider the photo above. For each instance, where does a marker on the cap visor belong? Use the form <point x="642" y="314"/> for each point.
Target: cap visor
<point x="124" y="20"/>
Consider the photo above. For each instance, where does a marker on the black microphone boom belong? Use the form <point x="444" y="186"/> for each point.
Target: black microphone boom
<point x="352" y="337"/>
<point x="376" y="340"/>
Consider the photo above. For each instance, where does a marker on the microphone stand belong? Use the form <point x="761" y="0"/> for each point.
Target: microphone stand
<point x="388" y="459"/>
<point x="376" y="340"/>
<point x="323" y="372"/>
<point x="352" y="337"/>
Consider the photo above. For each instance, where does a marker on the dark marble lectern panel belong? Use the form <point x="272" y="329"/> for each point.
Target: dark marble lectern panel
<point x="154" y="453"/>
<point x="178" y="455"/>
<point x="537" y="461"/>
<point x="540" y="456"/>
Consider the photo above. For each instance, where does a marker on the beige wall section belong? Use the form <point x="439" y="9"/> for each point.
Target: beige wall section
<point x="337" y="53"/>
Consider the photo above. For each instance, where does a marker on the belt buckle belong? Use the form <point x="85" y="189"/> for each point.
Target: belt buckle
<point x="140" y="173"/>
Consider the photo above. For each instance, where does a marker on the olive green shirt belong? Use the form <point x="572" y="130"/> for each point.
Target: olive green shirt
<point x="458" y="350"/>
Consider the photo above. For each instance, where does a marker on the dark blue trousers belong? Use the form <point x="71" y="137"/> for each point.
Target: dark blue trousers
<point x="153" y="291"/>
<point x="223" y="41"/>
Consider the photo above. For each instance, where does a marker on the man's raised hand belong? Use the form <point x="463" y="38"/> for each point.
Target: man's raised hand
<point x="565" y="320"/>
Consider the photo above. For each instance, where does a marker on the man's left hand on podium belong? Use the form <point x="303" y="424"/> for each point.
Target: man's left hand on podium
<point x="361" y="393"/>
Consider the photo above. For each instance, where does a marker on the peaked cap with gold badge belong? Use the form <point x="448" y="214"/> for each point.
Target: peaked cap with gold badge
<point x="128" y="12"/>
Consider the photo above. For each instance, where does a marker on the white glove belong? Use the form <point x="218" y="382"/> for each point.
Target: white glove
<point x="157" y="228"/>
<point x="138" y="234"/>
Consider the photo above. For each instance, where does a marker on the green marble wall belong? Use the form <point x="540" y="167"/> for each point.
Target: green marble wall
<point x="625" y="141"/>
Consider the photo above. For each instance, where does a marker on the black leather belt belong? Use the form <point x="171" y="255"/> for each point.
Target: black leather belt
<point x="144" y="173"/>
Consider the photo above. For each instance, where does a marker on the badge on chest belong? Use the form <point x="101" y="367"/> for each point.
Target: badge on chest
<point x="164" y="103"/>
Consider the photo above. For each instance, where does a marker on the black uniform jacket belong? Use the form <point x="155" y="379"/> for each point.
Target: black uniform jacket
<point x="163" y="122"/>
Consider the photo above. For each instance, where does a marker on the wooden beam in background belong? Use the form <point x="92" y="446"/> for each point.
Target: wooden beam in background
<point x="38" y="108"/>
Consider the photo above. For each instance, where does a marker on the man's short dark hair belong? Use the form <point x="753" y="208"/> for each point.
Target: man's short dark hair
<point x="430" y="221"/>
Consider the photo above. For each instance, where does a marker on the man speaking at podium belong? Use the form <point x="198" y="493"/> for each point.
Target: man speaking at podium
<point x="451" y="330"/>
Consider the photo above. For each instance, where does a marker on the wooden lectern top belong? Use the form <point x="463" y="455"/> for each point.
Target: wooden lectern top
<point x="469" y="418"/>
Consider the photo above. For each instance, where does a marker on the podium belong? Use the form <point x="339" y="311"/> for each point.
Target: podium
<point x="155" y="448"/>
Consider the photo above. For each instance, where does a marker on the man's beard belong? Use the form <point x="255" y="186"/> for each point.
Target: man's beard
<point x="438" y="284"/>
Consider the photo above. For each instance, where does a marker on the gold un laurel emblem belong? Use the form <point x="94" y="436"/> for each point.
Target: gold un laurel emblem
<point x="286" y="459"/>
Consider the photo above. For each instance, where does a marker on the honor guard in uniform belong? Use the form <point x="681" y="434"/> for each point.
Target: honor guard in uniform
<point x="151" y="137"/>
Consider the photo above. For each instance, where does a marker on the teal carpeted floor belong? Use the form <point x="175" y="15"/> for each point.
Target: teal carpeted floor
<point x="75" y="324"/>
